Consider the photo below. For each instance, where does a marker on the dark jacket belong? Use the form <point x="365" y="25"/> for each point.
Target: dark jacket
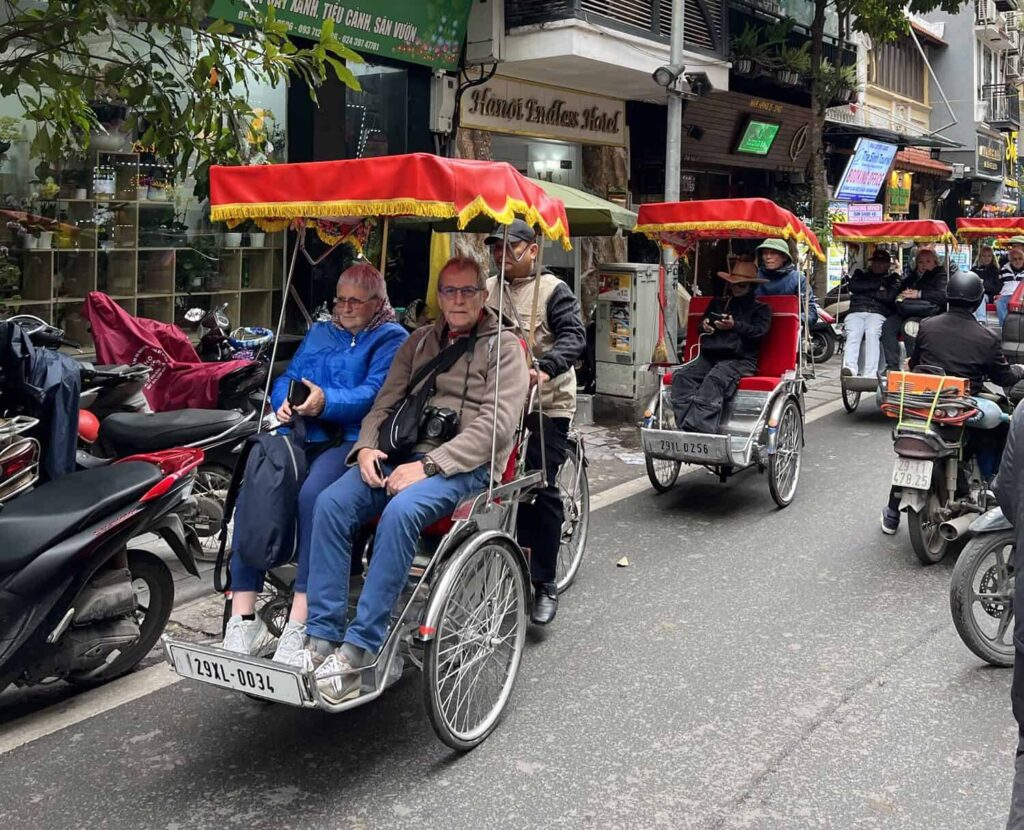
<point x="961" y="346"/>
<point x="1009" y="489"/>
<point x="743" y="340"/>
<point x="787" y="280"/>
<point x="990" y="278"/>
<point x="872" y="293"/>
<point x="931" y="284"/>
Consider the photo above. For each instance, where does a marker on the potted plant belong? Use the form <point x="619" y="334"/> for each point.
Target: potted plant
<point x="749" y="52"/>
<point x="257" y="237"/>
<point x="76" y="181"/>
<point x="10" y="283"/>
<point x="791" y="63"/>
<point x="844" y="83"/>
<point x="10" y="131"/>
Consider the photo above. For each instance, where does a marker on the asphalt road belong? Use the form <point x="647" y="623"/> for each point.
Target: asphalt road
<point x="751" y="668"/>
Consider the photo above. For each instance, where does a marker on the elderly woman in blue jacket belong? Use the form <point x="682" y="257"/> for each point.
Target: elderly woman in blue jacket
<point x="343" y="364"/>
<point x="783" y="276"/>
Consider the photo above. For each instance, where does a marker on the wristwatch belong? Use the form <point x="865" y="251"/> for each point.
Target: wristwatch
<point x="429" y="467"/>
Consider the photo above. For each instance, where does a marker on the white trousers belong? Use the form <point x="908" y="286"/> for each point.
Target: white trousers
<point x="866" y="326"/>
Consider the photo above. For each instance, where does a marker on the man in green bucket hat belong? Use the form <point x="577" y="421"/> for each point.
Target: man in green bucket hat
<point x="782" y="276"/>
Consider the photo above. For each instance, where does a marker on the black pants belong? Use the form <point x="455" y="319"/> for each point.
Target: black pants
<point x="540" y="524"/>
<point x="1016" y="819"/>
<point x="891" y="340"/>
<point x="701" y="388"/>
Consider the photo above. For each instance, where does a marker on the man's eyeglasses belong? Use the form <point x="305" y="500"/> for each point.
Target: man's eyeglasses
<point x="467" y="292"/>
<point x="352" y="302"/>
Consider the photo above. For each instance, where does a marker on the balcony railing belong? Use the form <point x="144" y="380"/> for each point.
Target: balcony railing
<point x="1002" y="106"/>
<point x="646" y="18"/>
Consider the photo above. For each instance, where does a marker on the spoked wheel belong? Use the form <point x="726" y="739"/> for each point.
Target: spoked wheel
<point x="575" y="491"/>
<point x="823" y="346"/>
<point x="470" y="666"/>
<point x="661" y="471"/>
<point x="210" y="492"/>
<point x="154" y="598"/>
<point x="851" y="399"/>
<point x="784" y="463"/>
<point x="925" y="539"/>
<point x="981" y="596"/>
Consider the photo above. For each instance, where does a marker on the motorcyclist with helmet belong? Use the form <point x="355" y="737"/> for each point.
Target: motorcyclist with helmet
<point x="957" y="343"/>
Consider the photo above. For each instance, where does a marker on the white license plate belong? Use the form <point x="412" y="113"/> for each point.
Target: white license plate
<point x="228" y="673"/>
<point x="913" y="473"/>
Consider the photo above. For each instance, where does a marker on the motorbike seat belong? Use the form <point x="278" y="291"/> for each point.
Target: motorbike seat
<point x="131" y="432"/>
<point x="54" y="511"/>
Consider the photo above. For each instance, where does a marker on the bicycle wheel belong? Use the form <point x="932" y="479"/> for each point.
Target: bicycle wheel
<point x="784" y="463"/>
<point x="851" y="400"/>
<point x="575" y="492"/>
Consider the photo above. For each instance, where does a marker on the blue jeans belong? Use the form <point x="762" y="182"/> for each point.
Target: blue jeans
<point x="1002" y="307"/>
<point x="326" y="468"/>
<point x="341" y="510"/>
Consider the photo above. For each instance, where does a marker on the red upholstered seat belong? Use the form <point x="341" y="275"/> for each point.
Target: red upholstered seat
<point x="778" y="349"/>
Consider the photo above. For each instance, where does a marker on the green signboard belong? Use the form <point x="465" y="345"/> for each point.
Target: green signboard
<point x="757" y="137"/>
<point x="429" y="32"/>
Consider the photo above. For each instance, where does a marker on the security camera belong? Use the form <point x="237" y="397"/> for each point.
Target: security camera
<point x="667" y="75"/>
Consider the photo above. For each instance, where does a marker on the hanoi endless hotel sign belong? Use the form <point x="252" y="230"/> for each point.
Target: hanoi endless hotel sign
<point x="506" y="105"/>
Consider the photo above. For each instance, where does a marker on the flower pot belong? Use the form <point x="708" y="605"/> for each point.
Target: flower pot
<point x="743" y="66"/>
<point x="108" y="142"/>
<point x="256" y="240"/>
<point x="157" y="194"/>
<point x="81" y="193"/>
<point x="46" y="239"/>
<point x="233" y="239"/>
<point x="29" y="242"/>
<point x="142" y="193"/>
<point x="4" y="147"/>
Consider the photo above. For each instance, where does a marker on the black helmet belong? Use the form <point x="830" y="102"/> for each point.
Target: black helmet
<point x="965" y="288"/>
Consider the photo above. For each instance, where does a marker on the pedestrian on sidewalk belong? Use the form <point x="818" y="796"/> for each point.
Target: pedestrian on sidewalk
<point x="872" y="295"/>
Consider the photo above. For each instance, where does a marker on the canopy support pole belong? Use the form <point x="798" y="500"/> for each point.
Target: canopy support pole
<point x="497" y="364"/>
<point x="384" y="249"/>
<point x="300" y="243"/>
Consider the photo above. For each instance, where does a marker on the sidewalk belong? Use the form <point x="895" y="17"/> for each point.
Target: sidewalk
<point x="613" y="451"/>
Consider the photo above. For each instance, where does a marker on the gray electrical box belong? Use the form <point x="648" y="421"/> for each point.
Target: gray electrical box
<point x="485" y="32"/>
<point x="627" y="329"/>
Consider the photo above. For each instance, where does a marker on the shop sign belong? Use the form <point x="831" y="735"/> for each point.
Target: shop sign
<point x="1011" y="159"/>
<point x="428" y="32"/>
<point x="866" y="171"/>
<point x="836" y="253"/>
<point x="897" y="194"/>
<point x="506" y="105"/>
<point x="869" y="212"/>
<point x="989" y="159"/>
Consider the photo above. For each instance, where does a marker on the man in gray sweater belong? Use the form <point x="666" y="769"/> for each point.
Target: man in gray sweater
<point x="409" y="494"/>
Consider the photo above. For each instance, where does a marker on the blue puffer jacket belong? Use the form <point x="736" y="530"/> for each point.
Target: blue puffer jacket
<point x="350" y="370"/>
<point x="786" y="280"/>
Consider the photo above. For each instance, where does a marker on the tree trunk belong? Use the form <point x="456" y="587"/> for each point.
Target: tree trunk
<point x="819" y="185"/>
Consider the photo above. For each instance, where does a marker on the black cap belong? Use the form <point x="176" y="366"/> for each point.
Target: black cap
<point x="881" y="255"/>
<point x="518" y="231"/>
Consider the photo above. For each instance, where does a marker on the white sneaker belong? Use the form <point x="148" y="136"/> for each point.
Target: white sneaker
<point x="291" y="645"/>
<point x="246" y="636"/>
<point x="338" y="679"/>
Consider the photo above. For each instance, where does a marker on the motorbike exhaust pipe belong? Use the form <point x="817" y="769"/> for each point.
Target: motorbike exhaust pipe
<point x="955" y="528"/>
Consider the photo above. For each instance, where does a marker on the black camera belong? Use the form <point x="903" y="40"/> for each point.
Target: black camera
<point x="439" y="424"/>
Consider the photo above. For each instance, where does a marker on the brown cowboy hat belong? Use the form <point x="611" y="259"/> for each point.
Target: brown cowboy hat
<point x="741" y="271"/>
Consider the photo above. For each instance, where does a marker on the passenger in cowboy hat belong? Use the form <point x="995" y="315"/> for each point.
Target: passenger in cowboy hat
<point x="733" y="327"/>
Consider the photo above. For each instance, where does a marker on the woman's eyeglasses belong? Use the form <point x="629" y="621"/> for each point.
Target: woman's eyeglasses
<point x="468" y="292"/>
<point x="352" y="302"/>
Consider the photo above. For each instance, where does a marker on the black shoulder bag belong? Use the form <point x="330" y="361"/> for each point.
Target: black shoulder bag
<point x="400" y="431"/>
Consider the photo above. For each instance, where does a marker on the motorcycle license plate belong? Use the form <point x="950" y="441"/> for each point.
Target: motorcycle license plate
<point x="254" y="678"/>
<point x="913" y="473"/>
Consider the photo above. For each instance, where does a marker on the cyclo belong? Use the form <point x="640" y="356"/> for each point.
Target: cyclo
<point x="862" y="234"/>
<point x="462" y="616"/>
<point x="763" y="423"/>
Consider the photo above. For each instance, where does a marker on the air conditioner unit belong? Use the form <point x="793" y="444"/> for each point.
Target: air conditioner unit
<point x="485" y="32"/>
<point x="959" y="170"/>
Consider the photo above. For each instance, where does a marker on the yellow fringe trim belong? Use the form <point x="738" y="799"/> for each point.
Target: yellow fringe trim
<point x="652" y="231"/>
<point x="280" y="213"/>
<point x="969" y="232"/>
<point x="948" y="238"/>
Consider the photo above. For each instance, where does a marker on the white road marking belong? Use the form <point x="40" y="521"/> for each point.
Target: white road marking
<point x="97" y="701"/>
<point x="86" y="705"/>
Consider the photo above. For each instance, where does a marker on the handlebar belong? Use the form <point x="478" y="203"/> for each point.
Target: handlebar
<point x="41" y="333"/>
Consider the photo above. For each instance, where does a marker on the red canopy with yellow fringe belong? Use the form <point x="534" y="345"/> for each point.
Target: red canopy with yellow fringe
<point x="911" y="230"/>
<point x="681" y="224"/>
<point x="336" y="196"/>
<point x="997" y="227"/>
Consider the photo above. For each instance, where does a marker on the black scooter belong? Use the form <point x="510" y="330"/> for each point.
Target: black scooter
<point x="76" y="603"/>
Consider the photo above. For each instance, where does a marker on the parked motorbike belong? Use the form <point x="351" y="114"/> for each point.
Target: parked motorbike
<point x="825" y="336"/>
<point x="981" y="590"/>
<point x="219" y="342"/>
<point x="76" y="602"/>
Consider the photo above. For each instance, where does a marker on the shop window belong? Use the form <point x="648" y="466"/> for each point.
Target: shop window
<point x="376" y="116"/>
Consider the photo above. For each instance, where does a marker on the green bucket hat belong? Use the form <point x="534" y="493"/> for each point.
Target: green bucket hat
<point x="776" y="245"/>
<point x="1016" y="240"/>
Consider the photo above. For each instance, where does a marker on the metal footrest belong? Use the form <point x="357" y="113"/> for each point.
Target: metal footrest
<point x="856" y="383"/>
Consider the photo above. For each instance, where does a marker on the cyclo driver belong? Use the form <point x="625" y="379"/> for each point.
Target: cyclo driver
<point x="957" y="343"/>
